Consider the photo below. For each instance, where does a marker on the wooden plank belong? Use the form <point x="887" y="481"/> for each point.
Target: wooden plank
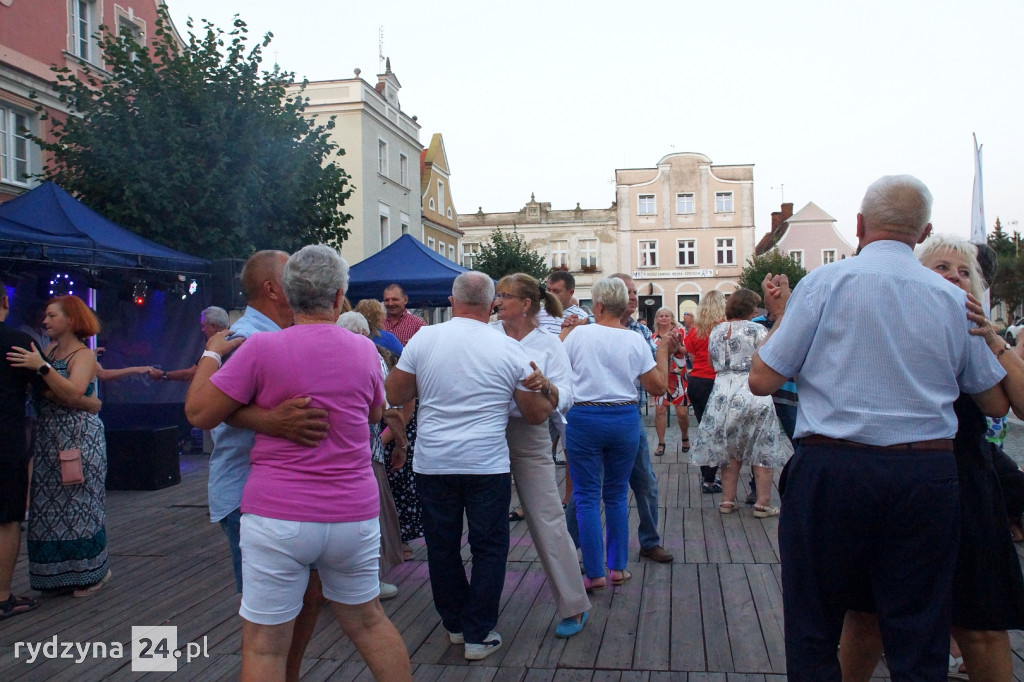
<point x="687" y="626"/>
<point x="617" y="645"/>
<point x="746" y="643"/>
<point x="766" y="594"/>
<point x="716" y="634"/>
<point x="652" y="648"/>
<point x="714" y="534"/>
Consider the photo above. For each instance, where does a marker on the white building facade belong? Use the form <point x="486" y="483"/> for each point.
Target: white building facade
<point x="382" y="156"/>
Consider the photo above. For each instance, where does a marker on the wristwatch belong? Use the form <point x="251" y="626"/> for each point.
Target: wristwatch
<point x="43" y="371"/>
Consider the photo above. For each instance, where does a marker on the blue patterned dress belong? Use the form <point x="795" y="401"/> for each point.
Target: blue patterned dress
<point x="67" y="540"/>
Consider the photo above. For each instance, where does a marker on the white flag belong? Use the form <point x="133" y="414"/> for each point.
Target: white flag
<point x="978" y="230"/>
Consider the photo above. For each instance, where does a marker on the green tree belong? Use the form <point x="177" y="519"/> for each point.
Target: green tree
<point x="1001" y="242"/>
<point x="774" y="262"/>
<point x="195" y="149"/>
<point x="507" y="254"/>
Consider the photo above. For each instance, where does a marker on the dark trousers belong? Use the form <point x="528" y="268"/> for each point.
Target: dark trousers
<point x="868" y="530"/>
<point x="466" y="605"/>
<point x="699" y="390"/>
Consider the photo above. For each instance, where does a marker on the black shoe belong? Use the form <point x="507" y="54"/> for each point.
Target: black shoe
<point x="711" y="487"/>
<point x="751" y="497"/>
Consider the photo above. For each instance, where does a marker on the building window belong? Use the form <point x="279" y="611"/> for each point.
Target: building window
<point x="470" y="251"/>
<point x="648" y="253"/>
<point x="403" y="169"/>
<point x="723" y="202"/>
<point x="83" y="23"/>
<point x="385" y="224"/>
<point x="828" y="256"/>
<point x="645" y="205"/>
<point x="431" y="203"/>
<point x="441" y="247"/>
<point x="588" y="254"/>
<point x="560" y="254"/>
<point x="13" y="146"/>
<point x="451" y="252"/>
<point x="687" y="252"/>
<point x="431" y="243"/>
<point x="684" y="203"/>
<point x="449" y="214"/>
<point x="382" y="157"/>
<point x="725" y="251"/>
<point x="440" y="196"/>
<point x="126" y="28"/>
<point x="797" y="257"/>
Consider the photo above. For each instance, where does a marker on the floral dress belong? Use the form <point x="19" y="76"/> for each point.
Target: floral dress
<point x="67" y="539"/>
<point x="737" y="424"/>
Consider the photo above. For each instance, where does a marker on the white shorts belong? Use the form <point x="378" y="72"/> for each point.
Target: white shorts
<point x="276" y="556"/>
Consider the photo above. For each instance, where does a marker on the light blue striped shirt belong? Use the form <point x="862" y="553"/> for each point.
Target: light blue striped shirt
<point x="880" y="348"/>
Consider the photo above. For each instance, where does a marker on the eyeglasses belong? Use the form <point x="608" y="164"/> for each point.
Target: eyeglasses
<point x="505" y="297"/>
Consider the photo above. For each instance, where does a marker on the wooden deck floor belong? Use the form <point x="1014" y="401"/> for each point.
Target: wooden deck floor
<point x="713" y="615"/>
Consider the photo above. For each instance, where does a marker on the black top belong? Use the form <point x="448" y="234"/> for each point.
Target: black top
<point x="13" y="382"/>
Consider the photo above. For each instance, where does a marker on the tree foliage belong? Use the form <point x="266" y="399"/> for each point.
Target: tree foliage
<point x="774" y="262"/>
<point x="507" y="254"/>
<point x="193" y="147"/>
<point x="1008" y="285"/>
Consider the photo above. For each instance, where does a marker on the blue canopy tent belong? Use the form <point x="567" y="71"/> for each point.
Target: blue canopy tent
<point x="48" y="225"/>
<point x="425" y="276"/>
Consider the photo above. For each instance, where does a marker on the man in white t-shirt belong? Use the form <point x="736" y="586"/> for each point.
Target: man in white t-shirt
<point x="562" y="285"/>
<point x="465" y="374"/>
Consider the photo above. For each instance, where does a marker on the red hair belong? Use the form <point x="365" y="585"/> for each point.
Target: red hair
<point x="83" y="320"/>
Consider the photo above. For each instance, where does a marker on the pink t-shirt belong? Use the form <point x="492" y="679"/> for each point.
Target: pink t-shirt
<point x="340" y="371"/>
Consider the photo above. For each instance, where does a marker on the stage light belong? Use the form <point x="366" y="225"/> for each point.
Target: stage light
<point x="140" y="292"/>
<point x="62" y="285"/>
<point x="193" y="287"/>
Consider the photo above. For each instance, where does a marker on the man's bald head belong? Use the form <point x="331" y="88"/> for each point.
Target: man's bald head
<point x="262" y="267"/>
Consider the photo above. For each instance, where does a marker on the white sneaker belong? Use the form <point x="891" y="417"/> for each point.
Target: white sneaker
<point x="388" y="591"/>
<point x="476" y="652"/>
<point x="456" y="638"/>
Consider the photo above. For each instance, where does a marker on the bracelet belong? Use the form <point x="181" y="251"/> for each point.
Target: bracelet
<point x="211" y="354"/>
<point x="1002" y="350"/>
<point x="164" y="376"/>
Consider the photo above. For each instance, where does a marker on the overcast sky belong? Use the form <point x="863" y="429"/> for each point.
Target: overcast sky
<point x="551" y="97"/>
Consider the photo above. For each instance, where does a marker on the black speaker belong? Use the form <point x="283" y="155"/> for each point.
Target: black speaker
<point x="226" y="284"/>
<point x="143" y="459"/>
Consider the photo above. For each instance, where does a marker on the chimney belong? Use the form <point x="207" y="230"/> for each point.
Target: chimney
<point x="787" y="211"/>
<point x="776" y="221"/>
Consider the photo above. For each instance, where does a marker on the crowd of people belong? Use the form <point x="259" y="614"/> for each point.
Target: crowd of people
<point x="341" y="435"/>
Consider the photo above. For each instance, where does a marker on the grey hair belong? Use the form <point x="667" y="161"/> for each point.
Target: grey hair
<point x="216" y="316"/>
<point x="937" y="243"/>
<point x="473" y="288"/>
<point x="354" y="322"/>
<point x="312" y="277"/>
<point x="611" y="292"/>
<point x="897" y="201"/>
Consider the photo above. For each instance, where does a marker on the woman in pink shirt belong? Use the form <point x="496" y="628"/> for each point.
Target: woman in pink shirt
<point x="304" y="505"/>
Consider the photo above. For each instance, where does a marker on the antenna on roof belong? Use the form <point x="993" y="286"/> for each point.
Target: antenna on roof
<point x="782" y="192"/>
<point x="380" y="49"/>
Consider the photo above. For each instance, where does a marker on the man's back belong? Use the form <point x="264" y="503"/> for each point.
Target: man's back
<point x="865" y="370"/>
<point x="466" y="373"/>
<point x="13" y="381"/>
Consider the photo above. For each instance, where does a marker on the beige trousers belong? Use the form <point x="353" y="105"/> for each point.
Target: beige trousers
<point x="534" y="472"/>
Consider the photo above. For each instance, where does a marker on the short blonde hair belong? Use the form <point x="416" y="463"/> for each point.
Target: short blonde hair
<point x="937" y="243"/>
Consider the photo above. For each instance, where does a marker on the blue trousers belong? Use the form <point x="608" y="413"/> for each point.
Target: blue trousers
<point x="645" y="491"/>
<point x="868" y="530"/>
<point x="466" y="605"/>
<point x="602" y="447"/>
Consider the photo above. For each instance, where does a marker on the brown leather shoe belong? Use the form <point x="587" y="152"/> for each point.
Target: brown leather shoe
<point x="656" y="553"/>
